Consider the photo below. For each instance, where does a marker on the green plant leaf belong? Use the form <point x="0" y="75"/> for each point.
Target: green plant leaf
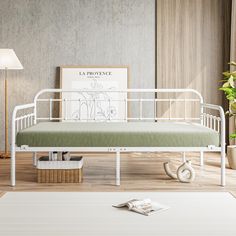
<point x="231" y="81"/>
<point x="227" y="90"/>
<point x="232" y="63"/>
<point x="233" y="105"/>
<point x="226" y="85"/>
<point x="232" y="108"/>
<point x="232" y="135"/>
<point x="230" y="98"/>
<point x="226" y="74"/>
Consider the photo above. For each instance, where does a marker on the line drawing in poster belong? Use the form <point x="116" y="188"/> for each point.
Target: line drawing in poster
<point x="91" y="103"/>
<point x="96" y="104"/>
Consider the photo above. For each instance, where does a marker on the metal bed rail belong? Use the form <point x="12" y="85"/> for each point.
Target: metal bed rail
<point x="91" y="99"/>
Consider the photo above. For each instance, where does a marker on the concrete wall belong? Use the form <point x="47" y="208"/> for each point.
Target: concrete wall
<point x="48" y="33"/>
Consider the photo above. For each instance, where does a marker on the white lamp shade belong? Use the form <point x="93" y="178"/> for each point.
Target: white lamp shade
<point x="9" y="60"/>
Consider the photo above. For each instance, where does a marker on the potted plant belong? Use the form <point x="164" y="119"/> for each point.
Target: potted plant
<point x="229" y="88"/>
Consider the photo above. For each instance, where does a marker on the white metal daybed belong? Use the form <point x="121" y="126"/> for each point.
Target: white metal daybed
<point x="140" y="129"/>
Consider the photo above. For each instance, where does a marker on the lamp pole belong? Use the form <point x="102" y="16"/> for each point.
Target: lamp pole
<point x="6" y="116"/>
<point x="6" y="152"/>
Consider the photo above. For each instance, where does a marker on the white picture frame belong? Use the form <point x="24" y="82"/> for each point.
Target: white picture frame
<point x="93" y="78"/>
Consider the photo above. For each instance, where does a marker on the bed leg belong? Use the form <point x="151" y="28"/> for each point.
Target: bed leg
<point x="222" y="167"/>
<point x="34" y="158"/>
<point x="201" y="158"/>
<point x="117" y="168"/>
<point x="13" y="165"/>
<point x="183" y="157"/>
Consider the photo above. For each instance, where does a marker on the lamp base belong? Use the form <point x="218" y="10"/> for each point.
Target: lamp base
<point x="4" y="155"/>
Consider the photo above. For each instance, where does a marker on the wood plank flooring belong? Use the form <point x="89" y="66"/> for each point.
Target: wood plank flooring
<point x="139" y="172"/>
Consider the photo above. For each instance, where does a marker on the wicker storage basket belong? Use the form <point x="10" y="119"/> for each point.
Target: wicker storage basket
<point x="60" y="171"/>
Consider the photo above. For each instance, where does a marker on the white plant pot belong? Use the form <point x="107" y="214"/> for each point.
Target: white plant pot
<point x="231" y="155"/>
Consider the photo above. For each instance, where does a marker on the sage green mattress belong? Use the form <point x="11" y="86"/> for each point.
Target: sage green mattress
<point x="112" y="134"/>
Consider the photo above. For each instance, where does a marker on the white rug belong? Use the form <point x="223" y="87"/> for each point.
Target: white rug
<point x="82" y="214"/>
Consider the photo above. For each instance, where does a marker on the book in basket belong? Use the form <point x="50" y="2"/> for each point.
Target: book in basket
<point x="144" y="207"/>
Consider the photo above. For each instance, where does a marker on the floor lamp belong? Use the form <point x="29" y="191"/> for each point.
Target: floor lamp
<point x="8" y="61"/>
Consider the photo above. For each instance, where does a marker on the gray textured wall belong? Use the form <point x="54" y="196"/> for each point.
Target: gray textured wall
<point x="48" y="33"/>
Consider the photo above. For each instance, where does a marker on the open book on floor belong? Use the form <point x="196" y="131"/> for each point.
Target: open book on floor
<point x="144" y="207"/>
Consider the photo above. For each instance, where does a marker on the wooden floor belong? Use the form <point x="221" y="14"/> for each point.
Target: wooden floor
<point x="139" y="172"/>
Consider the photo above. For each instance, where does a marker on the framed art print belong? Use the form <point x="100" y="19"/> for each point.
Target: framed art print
<point x="92" y="103"/>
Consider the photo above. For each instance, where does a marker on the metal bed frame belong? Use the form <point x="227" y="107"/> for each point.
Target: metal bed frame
<point x="27" y="115"/>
